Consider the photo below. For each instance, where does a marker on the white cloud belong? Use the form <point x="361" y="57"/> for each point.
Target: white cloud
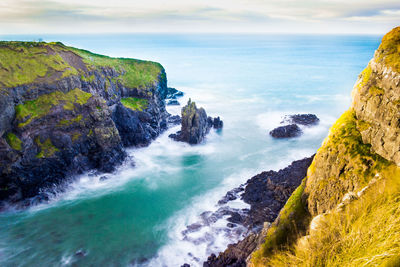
<point x="311" y="16"/>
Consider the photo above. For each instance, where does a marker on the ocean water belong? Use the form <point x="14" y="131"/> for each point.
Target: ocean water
<point x="137" y="216"/>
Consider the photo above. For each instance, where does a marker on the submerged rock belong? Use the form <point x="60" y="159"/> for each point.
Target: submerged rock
<point x="173" y="120"/>
<point x="173" y="102"/>
<point x="302" y="119"/>
<point x="287" y="131"/>
<point x="195" y="124"/>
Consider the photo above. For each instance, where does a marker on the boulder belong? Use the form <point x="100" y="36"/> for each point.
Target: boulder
<point x="287" y="131"/>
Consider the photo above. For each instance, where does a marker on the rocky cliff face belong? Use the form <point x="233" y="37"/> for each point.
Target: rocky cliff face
<point x="64" y="111"/>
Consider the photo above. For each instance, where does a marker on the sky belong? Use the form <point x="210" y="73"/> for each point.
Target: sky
<point x="197" y="16"/>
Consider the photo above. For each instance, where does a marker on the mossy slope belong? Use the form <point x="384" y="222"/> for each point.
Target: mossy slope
<point x="30" y="62"/>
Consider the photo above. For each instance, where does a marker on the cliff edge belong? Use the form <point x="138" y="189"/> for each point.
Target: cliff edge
<point x="346" y="212"/>
<point x="64" y="111"/>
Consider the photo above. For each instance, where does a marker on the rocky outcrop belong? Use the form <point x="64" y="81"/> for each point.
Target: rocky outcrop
<point x="292" y="129"/>
<point x="287" y="131"/>
<point x="172" y="96"/>
<point x="64" y="111"/>
<point x="195" y="124"/>
<point x="266" y="193"/>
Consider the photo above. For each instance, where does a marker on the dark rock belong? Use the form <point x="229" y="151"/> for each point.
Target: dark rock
<point x="173" y="93"/>
<point x="80" y="253"/>
<point x="230" y="225"/>
<point x="192" y="228"/>
<point x="286" y="131"/>
<point x="235" y="218"/>
<point x="194" y="124"/>
<point x="173" y="120"/>
<point x="266" y="193"/>
<point x="185" y="265"/>
<point x="230" y="195"/>
<point x="217" y="123"/>
<point x="173" y="102"/>
<point x="303" y="119"/>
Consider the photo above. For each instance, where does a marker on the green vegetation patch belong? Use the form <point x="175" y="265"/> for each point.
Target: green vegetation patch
<point x="47" y="149"/>
<point x="77" y="119"/>
<point x="134" y="73"/>
<point x="41" y="106"/>
<point x="292" y="219"/>
<point x="389" y="50"/>
<point x="14" y="141"/>
<point x="25" y="62"/>
<point x="366" y="76"/>
<point x="133" y="103"/>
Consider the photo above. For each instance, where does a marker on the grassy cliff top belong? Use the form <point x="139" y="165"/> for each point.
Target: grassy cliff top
<point x="389" y="50"/>
<point x="31" y="62"/>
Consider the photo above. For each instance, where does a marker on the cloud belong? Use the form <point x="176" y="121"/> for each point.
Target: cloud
<point x="206" y="15"/>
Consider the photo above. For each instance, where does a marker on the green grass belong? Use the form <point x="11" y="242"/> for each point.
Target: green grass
<point x="41" y="106"/>
<point x="292" y="219"/>
<point x="14" y="141"/>
<point x="47" y="149"/>
<point x="134" y="73"/>
<point x="365" y="233"/>
<point x="133" y="103"/>
<point x="389" y="50"/>
<point x="25" y="62"/>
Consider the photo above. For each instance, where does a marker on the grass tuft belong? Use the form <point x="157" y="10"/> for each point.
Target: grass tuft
<point x="133" y="103"/>
<point x="14" y="141"/>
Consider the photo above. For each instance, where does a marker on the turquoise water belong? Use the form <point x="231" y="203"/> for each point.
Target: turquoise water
<point x="137" y="216"/>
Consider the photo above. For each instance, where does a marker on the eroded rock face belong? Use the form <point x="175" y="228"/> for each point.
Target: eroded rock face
<point x="71" y="120"/>
<point x="376" y="101"/>
<point x="195" y="124"/>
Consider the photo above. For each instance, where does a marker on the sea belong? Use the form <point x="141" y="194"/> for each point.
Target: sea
<point x="139" y="215"/>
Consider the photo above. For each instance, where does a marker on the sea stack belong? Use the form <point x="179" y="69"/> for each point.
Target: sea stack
<point x="195" y="124"/>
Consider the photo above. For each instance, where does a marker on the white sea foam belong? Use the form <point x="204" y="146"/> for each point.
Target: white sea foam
<point x="195" y="247"/>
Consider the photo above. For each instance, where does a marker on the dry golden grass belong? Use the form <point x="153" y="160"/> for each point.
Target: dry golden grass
<point x="365" y="233"/>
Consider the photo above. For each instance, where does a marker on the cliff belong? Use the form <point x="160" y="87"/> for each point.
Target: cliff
<point x="347" y="209"/>
<point x="64" y="111"/>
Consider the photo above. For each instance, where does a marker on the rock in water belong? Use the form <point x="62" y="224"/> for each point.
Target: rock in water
<point x="302" y="119"/>
<point x="287" y="131"/>
<point x="173" y="102"/>
<point x="173" y="93"/>
<point x="195" y="124"/>
<point x="217" y="123"/>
